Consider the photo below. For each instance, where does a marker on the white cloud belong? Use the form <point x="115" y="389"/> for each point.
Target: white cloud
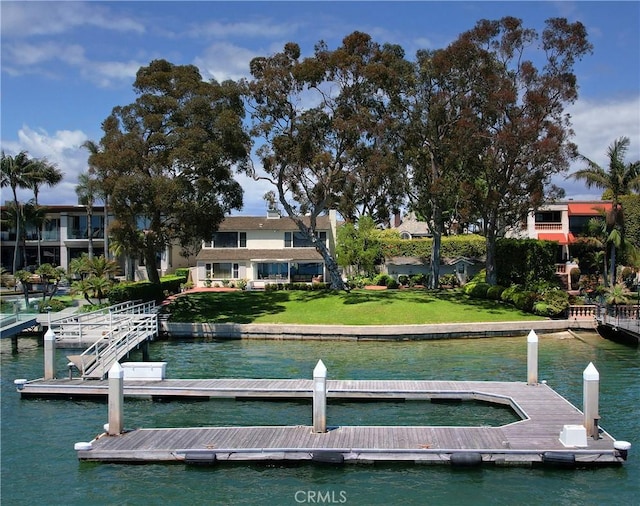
<point x="222" y="61"/>
<point x="28" y="55"/>
<point x="264" y="28"/>
<point x="106" y="73"/>
<point x="25" y="19"/>
<point x="64" y="149"/>
<point x="597" y="125"/>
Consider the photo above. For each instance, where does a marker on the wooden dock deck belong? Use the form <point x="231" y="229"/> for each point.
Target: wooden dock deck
<point x="533" y="439"/>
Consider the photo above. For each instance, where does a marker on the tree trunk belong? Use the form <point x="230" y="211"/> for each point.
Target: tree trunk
<point x="150" y="265"/>
<point x="90" y="234"/>
<point x="613" y="265"/>
<point x="105" y="227"/>
<point x="491" y="256"/>
<point x="436" y="231"/>
<point x="336" y="281"/>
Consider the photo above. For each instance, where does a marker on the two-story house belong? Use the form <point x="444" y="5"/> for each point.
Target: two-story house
<point x="263" y="250"/>
<point x="563" y="222"/>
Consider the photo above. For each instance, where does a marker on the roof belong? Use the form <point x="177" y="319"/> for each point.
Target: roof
<point x="243" y="223"/>
<point x="588" y="208"/>
<point x="270" y="255"/>
<point x="557" y="237"/>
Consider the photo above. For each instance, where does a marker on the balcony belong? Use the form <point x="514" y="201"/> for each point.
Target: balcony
<point x="549" y="227"/>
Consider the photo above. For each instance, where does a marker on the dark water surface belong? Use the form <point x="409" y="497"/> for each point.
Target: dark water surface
<point x="39" y="465"/>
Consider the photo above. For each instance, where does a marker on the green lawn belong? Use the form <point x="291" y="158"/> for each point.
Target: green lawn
<point x="359" y="307"/>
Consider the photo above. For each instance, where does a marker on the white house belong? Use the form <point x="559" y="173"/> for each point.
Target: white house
<point x="263" y="250"/>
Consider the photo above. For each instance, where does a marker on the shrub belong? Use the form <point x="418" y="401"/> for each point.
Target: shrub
<point x="508" y="293"/>
<point x="403" y="279"/>
<point x="241" y="283"/>
<point x="141" y="290"/>
<point x="495" y="292"/>
<point x="477" y="290"/>
<point x="55" y="305"/>
<point x="417" y="279"/>
<point x="449" y="280"/>
<point x="554" y="303"/>
<point x="381" y="280"/>
<point x="524" y="300"/>
<point x="182" y="272"/>
<point x="392" y="283"/>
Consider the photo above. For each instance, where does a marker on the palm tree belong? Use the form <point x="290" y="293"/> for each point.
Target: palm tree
<point x="103" y="189"/>
<point x="87" y="191"/>
<point x="41" y="173"/>
<point x="620" y="179"/>
<point x="13" y="175"/>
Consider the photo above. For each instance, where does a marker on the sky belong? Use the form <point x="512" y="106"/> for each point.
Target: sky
<point x="65" y="65"/>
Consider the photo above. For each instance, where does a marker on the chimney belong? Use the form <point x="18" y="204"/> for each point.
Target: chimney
<point x="396" y="219"/>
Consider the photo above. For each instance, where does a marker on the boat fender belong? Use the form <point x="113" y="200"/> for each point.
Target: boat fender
<point x="559" y="459"/>
<point x="328" y="457"/>
<point x="200" y="458"/>
<point x="465" y="459"/>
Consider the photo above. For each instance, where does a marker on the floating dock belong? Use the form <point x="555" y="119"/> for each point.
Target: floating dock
<point x="535" y="439"/>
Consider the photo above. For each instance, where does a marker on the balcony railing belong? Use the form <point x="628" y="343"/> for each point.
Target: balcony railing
<point x="549" y="226"/>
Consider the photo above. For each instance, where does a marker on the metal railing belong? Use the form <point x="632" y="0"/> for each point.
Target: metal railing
<point x="96" y="360"/>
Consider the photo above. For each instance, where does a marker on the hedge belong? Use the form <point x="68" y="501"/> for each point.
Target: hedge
<point x="525" y="261"/>
<point x="470" y="246"/>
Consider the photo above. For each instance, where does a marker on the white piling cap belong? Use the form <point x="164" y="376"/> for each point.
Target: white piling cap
<point x="49" y="335"/>
<point x="116" y="371"/>
<point x="82" y="446"/>
<point x="320" y="370"/>
<point x="591" y="373"/>
<point x="532" y="337"/>
<point x="622" y="445"/>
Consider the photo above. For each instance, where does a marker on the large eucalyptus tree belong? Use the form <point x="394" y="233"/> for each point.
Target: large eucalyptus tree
<point x="518" y="133"/>
<point x="169" y="159"/>
<point x="324" y="124"/>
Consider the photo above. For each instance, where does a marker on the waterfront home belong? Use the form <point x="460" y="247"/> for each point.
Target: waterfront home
<point x="263" y="250"/>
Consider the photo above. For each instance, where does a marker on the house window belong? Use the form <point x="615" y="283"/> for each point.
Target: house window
<point x="78" y="227"/>
<point x="306" y="272"/>
<point x="298" y="240"/>
<point x="229" y="240"/>
<point x="273" y="270"/>
<point x="548" y="217"/>
<point x="222" y="270"/>
<point x="578" y="225"/>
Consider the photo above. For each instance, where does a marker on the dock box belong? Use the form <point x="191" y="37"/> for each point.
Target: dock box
<point x="141" y="371"/>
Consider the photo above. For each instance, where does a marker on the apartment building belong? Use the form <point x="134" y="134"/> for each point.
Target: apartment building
<point x="65" y="236"/>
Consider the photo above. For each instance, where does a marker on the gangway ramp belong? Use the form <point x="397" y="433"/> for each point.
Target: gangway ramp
<point x="111" y="334"/>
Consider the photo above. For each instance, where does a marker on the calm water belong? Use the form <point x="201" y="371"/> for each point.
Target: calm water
<point x="39" y="465"/>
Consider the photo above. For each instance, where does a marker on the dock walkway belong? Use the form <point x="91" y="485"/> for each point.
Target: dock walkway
<point x="536" y="436"/>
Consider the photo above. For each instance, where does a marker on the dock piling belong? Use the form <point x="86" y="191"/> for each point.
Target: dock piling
<point x="116" y="399"/>
<point x="590" y="393"/>
<point x="49" y="354"/>
<point x="532" y="358"/>
<point x="320" y="398"/>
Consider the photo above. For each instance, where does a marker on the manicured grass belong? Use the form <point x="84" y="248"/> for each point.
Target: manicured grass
<point x="360" y="307"/>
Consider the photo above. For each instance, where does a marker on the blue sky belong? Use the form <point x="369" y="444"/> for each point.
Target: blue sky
<point x="65" y="65"/>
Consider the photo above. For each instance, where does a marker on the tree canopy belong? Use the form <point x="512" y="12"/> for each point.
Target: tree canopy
<point x="167" y="159"/>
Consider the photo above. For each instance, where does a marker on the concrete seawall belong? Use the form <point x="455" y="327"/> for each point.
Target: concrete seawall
<point x="370" y="332"/>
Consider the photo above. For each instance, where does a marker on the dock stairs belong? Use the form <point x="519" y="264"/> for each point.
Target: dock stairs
<point x="111" y="334"/>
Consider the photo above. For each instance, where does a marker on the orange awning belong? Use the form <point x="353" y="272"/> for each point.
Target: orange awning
<point x="588" y="209"/>
<point x="560" y="238"/>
